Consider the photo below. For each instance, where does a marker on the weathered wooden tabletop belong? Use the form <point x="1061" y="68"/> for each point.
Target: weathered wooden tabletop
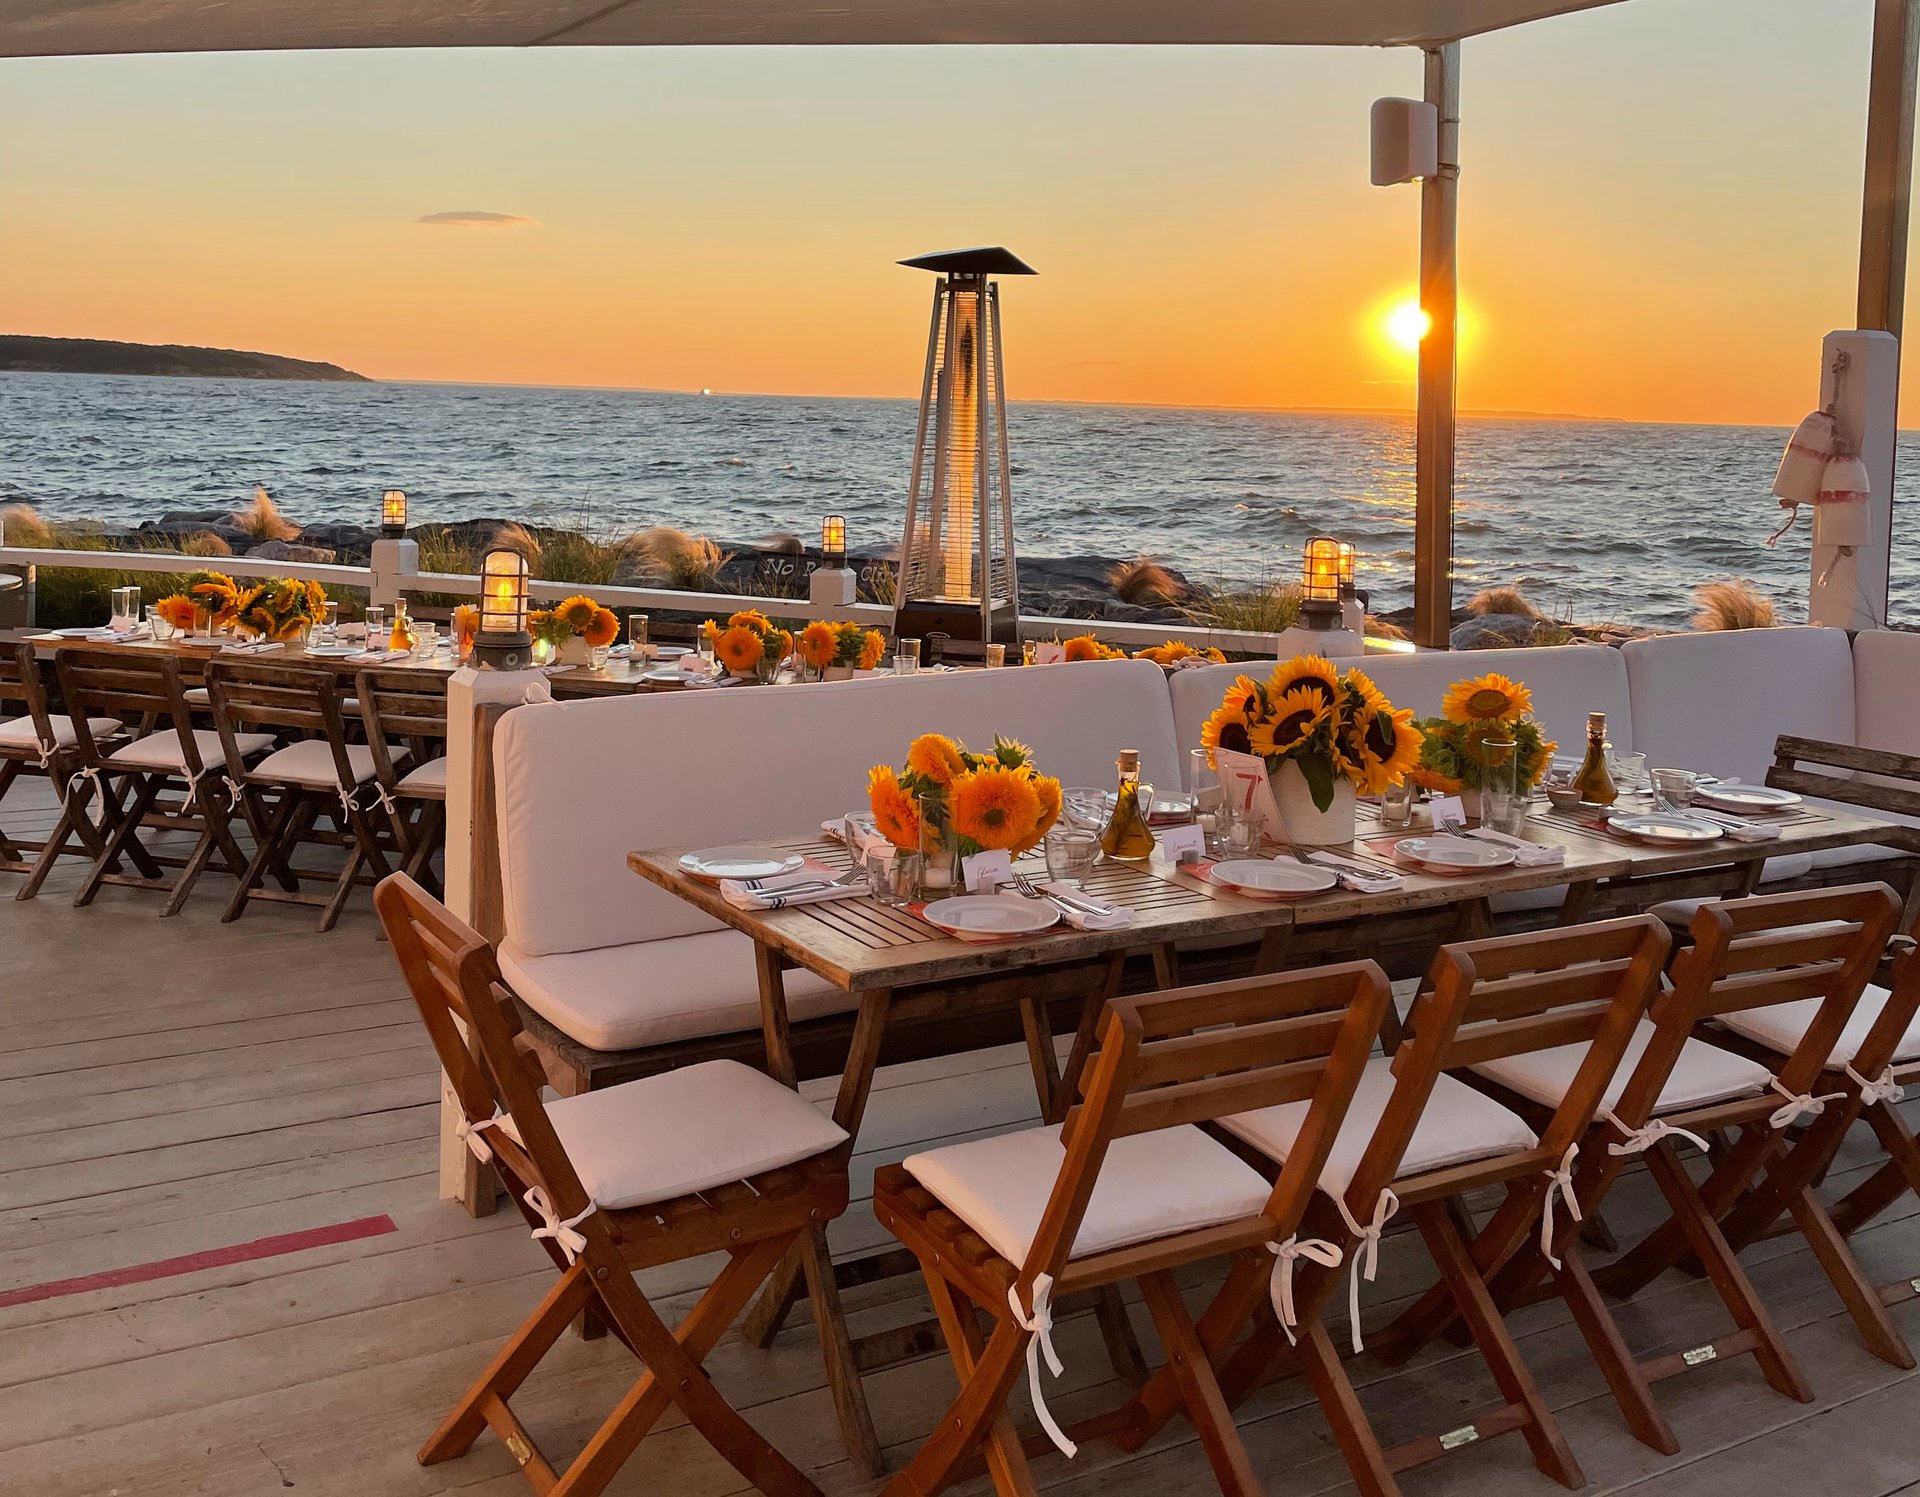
<point x="860" y="944"/>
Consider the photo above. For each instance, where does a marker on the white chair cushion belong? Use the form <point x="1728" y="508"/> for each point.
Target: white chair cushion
<point x="160" y="749"/>
<point x="310" y="763"/>
<point x="198" y="696"/>
<point x="1567" y="682"/>
<point x="429" y="776"/>
<point x="653" y="992"/>
<point x="584" y="783"/>
<point x="1716" y="701"/>
<point x="1886" y="663"/>
<point x="690" y="1129"/>
<point x="1151" y="1185"/>
<point x="1705" y="1073"/>
<point x="20" y="733"/>
<point x="1779" y="1027"/>
<point x="1458" y="1124"/>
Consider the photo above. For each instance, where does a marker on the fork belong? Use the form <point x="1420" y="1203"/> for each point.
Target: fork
<point x="1286" y="836"/>
<point x="1060" y="901"/>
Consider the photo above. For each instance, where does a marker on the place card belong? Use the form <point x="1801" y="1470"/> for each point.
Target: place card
<point x="1049" y="652"/>
<point x="986" y="871"/>
<point x="1447" y="808"/>
<point x="1176" y="840"/>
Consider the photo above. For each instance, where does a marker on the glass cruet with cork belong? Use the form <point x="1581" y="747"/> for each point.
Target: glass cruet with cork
<point x="1127" y="835"/>
<point x="1594" y="780"/>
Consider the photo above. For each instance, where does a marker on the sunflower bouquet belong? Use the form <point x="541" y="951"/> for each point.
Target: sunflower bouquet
<point x="1474" y="713"/>
<point x="956" y="803"/>
<point x="177" y="611"/>
<point x="748" y="644"/>
<point x="578" y="617"/>
<point x="214" y="596"/>
<point x="281" y="608"/>
<point x="1176" y="653"/>
<point x="1331" y="725"/>
<point x="1086" y="647"/>
<point x="823" y="647"/>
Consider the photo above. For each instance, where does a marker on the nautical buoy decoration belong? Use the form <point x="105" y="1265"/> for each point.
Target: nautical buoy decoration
<point x="1821" y="468"/>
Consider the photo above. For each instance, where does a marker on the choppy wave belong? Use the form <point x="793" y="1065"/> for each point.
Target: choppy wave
<point x="1597" y="519"/>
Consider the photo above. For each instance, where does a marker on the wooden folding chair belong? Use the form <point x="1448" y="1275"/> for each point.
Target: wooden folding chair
<point x="1818" y="947"/>
<point x="1420" y="1140"/>
<point x="711" y="1158"/>
<point x="405" y="712"/>
<point x="1127" y="1188"/>
<point x="133" y="779"/>
<point x="1877" y="1054"/>
<point x="285" y="795"/>
<point x="36" y="742"/>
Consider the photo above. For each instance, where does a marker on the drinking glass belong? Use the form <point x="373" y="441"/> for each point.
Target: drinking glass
<point x="637" y="637"/>
<point x="157" y="626"/>
<point x="597" y="656"/>
<point x="996" y="655"/>
<point x="1242" y="832"/>
<point x="1396" y="806"/>
<point x="126" y="608"/>
<point x="1629" y="771"/>
<point x="1499" y="781"/>
<point x="1026" y="651"/>
<point x="425" y="640"/>
<point x="1203" y="784"/>
<point x="906" y="657"/>
<point x="1674" y="787"/>
<point x="703" y="646"/>
<point x="893" y="875"/>
<point x="376" y="616"/>
<point x="1071" y="853"/>
<point x="327" y="630"/>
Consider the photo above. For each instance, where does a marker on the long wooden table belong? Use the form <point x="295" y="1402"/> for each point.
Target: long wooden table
<point x="903" y="968"/>
<point x="614" y="679"/>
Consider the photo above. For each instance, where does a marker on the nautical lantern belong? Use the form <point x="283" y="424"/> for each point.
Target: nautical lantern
<point x="958" y="580"/>
<point x="1320" y="583"/>
<point x="833" y="540"/>
<point x="502" y="643"/>
<point x="1353" y="612"/>
<point x="393" y="513"/>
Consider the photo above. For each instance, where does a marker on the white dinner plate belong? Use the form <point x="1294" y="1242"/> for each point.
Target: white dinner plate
<point x="205" y="641"/>
<point x="1749" y="800"/>
<point x="1269" y="878"/>
<point x="99" y="631"/>
<point x="664" y="673"/>
<point x="740" y="862"/>
<point x="991" y="915"/>
<point x="333" y="652"/>
<point x="1454" y="854"/>
<point x="671" y="652"/>
<point x="1668" y="827"/>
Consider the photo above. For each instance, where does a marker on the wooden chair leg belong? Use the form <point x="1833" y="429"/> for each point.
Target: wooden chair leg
<point x="72" y="810"/>
<point x="843" y="1375"/>
<point x="1861" y="1298"/>
<point x="1666" y="1246"/>
<point x="1352" y="1431"/>
<point x="1206" y="1406"/>
<point x="1617" y="1363"/>
<point x="1892" y="1180"/>
<point x="1538" y="1427"/>
<point x="125" y="833"/>
<point x="269" y="830"/>
<point x="965" y="1426"/>
<point x="1236" y="1304"/>
<point x="959" y="1322"/>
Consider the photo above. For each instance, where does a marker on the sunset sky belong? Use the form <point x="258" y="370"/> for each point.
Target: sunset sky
<point x="1659" y="212"/>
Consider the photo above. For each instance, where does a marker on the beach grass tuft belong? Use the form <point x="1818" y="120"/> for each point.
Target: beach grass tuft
<point x="1507" y="600"/>
<point x="1734" y="604"/>
<point x="1261" y="608"/>
<point x="262" y="521"/>
<point x="1143" y="582"/>
<point x="673" y="558"/>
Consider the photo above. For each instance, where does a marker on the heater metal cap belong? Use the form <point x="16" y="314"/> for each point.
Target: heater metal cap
<point x="986" y="260"/>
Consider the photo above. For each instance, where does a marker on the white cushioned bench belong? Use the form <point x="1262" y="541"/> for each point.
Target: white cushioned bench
<point x="618" y="964"/>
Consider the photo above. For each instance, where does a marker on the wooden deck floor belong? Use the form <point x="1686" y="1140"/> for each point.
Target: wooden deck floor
<point x="172" y="1088"/>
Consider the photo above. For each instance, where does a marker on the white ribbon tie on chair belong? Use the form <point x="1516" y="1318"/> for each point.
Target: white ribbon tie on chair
<point x="562" y="1233"/>
<point x="1366" y="1254"/>
<point x="1039" y="1325"/>
<point x="47" y="751"/>
<point x="88" y="772"/>
<point x="1885" y="1089"/>
<point x="1800" y="1104"/>
<point x="1639" y="1140"/>
<point x="469" y="1134"/>
<point x="1560" y="1183"/>
<point x="1280" y="1285"/>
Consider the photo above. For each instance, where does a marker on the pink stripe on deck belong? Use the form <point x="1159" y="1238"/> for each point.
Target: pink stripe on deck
<point x="240" y="1252"/>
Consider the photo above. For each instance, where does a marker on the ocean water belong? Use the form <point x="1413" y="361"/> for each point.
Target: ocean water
<point x="1595" y="520"/>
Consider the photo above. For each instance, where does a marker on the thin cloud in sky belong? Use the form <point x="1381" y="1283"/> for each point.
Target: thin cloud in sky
<point x="476" y="218"/>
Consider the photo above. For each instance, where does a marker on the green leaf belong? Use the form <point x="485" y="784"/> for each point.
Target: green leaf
<point x="1319" y="775"/>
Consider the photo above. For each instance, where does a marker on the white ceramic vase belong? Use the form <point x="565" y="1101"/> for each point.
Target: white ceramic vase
<point x="573" y="650"/>
<point x="1305" y="821"/>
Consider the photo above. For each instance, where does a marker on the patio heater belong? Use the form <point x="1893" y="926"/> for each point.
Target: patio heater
<point x="958" y="584"/>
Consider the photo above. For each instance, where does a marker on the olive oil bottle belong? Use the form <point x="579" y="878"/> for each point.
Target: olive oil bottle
<point x="1127" y="836"/>
<point x="1595" y="781"/>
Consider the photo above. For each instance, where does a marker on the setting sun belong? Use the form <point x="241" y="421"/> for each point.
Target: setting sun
<point x="1407" y="324"/>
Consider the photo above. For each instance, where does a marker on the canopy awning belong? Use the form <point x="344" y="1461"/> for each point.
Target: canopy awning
<point x="40" y="28"/>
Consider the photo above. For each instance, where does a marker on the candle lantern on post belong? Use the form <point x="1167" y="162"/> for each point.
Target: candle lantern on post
<point x="393" y="513"/>
<point x="502" y="642"/>
<point x="833" y="584"/>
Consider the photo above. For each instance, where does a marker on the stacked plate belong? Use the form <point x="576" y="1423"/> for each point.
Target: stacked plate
<point x="980" y="916"/>
<point x="716" y="863"/>
<point x="1269" y="878"/>
<point x="1453" y="855"/>
<point x="1745" y="800"/>
<point x="1666" y="828"/>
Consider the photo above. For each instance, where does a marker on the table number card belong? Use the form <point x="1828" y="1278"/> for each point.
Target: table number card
<point x="1246" y="782"/>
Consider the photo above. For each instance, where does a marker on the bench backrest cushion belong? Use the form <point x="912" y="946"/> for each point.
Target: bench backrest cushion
<point x="1716" y="701"/>
<point x="1567" y="682"/>
<point x="1886" y="690"/>
<point x="581" y="784"/>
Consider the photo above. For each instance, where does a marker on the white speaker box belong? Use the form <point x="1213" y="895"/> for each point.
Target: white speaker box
<point x="1406" y="140"/>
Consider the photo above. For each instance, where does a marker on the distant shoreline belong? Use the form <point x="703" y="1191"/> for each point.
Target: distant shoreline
<point x="21" y="353"/>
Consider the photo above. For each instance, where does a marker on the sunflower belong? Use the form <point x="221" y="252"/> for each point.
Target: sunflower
<point x="995" y="806"/>
<point x="872" y="649"/>
<point x="819" y="644"/>
<point x="739" y="649"/>
<point x="1228" y="727"/>
<point x="176" y="610"/>
<point x="577" y="613"/>
<point x="754" y="619"/>
<point x="894" y="811"/>
<point x="1085" y="647"/>
<point x="1486" y="699"/>
<point x="602" y="627"/>
<point x="1047" y="788"/>
<point x="1313" y="673"/>
<point x="936" y="757"/>
<point x="1297" y="715"/>
<point x="1366" y="697"/>
<point x="711" y="632"/>
<point x="1382" y="749"/>
<point x="1434" y="780"/>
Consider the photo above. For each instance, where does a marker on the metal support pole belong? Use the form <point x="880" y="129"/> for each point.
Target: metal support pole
<point x="1434" y="418"/>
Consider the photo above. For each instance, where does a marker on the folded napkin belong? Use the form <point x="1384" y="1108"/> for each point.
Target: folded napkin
<point x="866" y="836"/>
<point x="555" y="670"/>
<point x="812" y="883"/>
<point x="1115" y="917"/>
<point x="1355" y="876"/>
<point x="258" y="647"/>
<point x="1525" y="854"/>
<point x="1734" y="828"/>
<point x="377" y="657"/>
